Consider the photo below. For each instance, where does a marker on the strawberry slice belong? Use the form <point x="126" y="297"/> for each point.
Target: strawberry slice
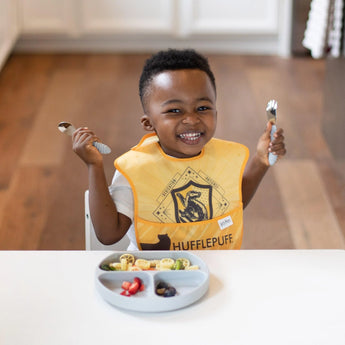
<point x="137" y="280"/>
<point x="125" y="285"/>
<point x="130" y="288"/>
<point x="133" y="289"/>
<point x="125" y="293"/>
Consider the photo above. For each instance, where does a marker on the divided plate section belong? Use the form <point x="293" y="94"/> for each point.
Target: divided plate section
<point x="190" y="285"/>
<point x="112" y="281"/>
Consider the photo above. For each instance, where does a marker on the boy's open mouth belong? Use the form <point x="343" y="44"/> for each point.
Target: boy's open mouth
<point x="190" y="138"/>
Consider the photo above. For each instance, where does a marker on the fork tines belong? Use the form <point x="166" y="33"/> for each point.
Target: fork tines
<point x="272" y="106"/>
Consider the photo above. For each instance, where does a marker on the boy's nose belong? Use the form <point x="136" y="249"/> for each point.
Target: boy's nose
<point x="191" y="118"/>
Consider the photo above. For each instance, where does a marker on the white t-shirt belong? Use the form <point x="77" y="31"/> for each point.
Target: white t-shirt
<point x="122" y="195"/>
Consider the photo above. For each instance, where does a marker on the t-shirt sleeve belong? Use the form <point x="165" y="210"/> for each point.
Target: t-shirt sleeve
<point x="122" y="195"/>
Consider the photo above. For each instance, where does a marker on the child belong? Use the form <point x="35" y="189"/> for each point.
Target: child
<point x="179" y="188"/>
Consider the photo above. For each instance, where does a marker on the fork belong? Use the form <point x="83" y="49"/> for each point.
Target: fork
<point x="271" y="111"/>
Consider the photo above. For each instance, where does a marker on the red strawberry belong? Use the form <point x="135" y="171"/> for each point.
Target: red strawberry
<point x="125" y="293"/>
<point x="133" y="289"/>
<point x="138" y="280"/>
<point x="125" y="285"/>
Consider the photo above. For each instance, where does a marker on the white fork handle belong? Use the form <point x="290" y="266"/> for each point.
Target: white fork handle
<point x="102" y="148"/>
<point x="271" y="157"/>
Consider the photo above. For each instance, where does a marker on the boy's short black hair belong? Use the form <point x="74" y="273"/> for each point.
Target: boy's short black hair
<point x="169" y="60"/>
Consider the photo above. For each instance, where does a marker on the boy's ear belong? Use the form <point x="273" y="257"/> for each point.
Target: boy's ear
<point x="146" y="123"/>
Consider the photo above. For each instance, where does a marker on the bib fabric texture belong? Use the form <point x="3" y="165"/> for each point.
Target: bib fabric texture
<point x="190" y="203"/>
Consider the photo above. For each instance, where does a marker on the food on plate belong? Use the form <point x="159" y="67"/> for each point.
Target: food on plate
<point x="143" y="264"/>
<point x="161" y="287"/>
<point x="192" y="268"/>
<point x="115" y="265"/>
<point x="131" y="288"/>
<point x="128" y="257"/>
<point x="154" y="263"/>
<point x="166" y="264"/>
<point x="169" y="292"/>
<point x="124" y="264"/>
<point x="185" y="262"/>
<point x="129" y="263"/>
<point x="165" y="290"/>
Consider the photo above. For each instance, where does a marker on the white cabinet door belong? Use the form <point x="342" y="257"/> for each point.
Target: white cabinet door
<point x="8" y="28"/>
<point x="127" y="17"/>
<point x="228" y="17"/>
<point x="47" y="16"/>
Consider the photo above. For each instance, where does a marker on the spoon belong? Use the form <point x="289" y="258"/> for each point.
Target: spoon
<point x="68" y="128"/>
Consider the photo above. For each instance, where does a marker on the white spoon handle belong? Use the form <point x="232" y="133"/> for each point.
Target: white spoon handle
<point x="68" y="128"/>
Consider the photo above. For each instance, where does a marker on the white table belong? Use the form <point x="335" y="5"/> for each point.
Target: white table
<point x="255" y="297"/>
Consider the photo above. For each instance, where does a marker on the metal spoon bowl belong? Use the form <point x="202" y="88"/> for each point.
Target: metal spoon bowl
<point x="66" y="127"/>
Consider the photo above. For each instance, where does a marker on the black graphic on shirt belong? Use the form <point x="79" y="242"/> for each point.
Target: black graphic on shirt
<point x="163" y="244"/>
<point x="190" y="196"/>
<point x="193" y="202"/>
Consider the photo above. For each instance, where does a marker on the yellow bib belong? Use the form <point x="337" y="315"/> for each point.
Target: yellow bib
<point x="186" y="204"/>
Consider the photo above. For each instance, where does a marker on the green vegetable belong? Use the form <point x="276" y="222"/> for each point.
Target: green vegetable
<point x="105" y="267"/>
<point x="179" y="265"/>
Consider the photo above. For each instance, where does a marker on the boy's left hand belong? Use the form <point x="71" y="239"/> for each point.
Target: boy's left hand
<point x="265" y="146"/>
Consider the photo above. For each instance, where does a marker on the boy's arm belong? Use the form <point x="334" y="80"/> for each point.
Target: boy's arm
<point x="110" y="226"/>
<point x="258" y="165"/>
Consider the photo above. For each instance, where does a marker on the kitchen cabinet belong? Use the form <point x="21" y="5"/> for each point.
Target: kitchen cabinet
<point x="8" y="28"/>
<point x="47" y="16"/>
<point x="119" y="17"/>
<point x="259" y="26"/>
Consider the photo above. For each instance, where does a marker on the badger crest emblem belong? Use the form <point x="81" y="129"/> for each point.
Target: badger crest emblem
<point x="192" y="202"/>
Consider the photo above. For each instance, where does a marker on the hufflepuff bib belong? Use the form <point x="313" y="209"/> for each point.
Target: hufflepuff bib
<point x="190" y="203"/>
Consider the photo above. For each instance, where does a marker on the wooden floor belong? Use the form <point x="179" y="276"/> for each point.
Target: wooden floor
<point x="300" y="204"/>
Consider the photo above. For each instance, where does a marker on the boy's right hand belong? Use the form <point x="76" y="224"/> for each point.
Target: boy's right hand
<point x="82" y="140"/>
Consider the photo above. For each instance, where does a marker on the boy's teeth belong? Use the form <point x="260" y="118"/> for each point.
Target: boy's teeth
<point x="190" y="136"/>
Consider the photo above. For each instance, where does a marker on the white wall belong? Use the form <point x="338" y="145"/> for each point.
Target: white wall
<point x="9" y="28"/>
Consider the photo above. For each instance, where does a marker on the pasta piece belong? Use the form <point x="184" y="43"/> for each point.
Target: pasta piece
<point x="115" y="265"/>
<point x="123" y="264"/>
<point x="192" y="268"/>
<point x="143" y="264"/>
<point x="154" y="263"/>
<point x="129" y="258"/>
<point x="185" y="262"/>
<point x="167" y="263"/>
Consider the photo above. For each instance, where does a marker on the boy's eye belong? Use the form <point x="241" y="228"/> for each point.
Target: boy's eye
<point x="203" y="108"/>
<point x="174" y="111"/>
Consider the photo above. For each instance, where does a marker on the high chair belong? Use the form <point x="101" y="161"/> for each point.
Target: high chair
<point x="91" y="241"/>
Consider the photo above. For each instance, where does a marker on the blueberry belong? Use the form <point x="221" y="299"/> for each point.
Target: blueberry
<point x="161" y="287"/>
<point x="169" y="292"/>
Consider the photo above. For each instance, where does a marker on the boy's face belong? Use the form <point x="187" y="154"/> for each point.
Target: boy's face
<point x="181" y="109"/>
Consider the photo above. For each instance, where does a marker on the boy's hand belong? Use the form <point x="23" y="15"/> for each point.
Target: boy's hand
<point x="265" y="146"/>
<point x="82" y="140"/>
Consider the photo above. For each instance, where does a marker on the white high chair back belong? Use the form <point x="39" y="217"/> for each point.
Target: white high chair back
<point x="91" y="241"/>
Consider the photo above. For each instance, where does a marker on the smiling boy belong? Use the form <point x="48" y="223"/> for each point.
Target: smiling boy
<point x="179" y="188"/>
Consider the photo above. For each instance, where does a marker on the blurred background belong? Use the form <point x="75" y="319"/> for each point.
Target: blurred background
<point x="80" y="61"/>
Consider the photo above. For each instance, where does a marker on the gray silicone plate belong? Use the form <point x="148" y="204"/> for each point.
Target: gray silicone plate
<point x="190" y="285"/>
